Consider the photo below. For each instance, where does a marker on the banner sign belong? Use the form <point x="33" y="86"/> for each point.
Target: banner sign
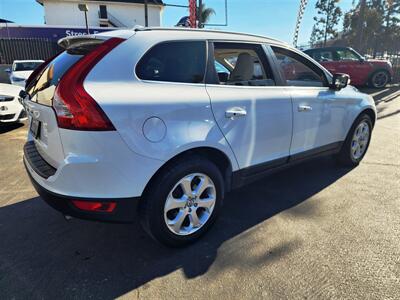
<point x="45" y="32"/>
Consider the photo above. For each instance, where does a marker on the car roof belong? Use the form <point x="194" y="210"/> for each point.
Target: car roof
<point x="327" y="48"/>
<point x="209" y="34"/>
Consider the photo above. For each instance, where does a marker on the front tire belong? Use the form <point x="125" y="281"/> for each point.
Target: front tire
<point x="357" y="141"/>
<point x="183" y="201"/>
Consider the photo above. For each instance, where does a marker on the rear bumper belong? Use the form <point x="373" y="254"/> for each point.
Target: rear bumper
<point x="124" y="212"/>
<point x="91" y="165"/>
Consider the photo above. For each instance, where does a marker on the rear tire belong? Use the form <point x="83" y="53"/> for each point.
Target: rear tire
<point x="379" y="79"/>
<point x="357" y="141"/>
<point x="183" y="201"/>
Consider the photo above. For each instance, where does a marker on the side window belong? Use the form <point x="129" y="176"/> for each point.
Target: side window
<point x="326" y="56"/>
<point x="314" y="54"/>
<point x="296" y="70"/>
<point x="346" y="54"/>
<point x="242" y="64"/>
<point x="174" y="62"/>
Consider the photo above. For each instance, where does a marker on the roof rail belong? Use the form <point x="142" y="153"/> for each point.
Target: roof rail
<point x="204" y="30"/>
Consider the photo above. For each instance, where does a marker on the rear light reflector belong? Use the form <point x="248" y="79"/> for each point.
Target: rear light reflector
<point x="74" y="107"/>
<point x="95" y="206"/>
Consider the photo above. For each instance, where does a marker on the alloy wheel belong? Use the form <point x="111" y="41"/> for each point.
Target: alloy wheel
<point x="189" y="204"/>
<point x="360" y="140"/>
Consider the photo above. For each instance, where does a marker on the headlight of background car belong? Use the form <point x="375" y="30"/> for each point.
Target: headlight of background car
<point x="13" y="78"/>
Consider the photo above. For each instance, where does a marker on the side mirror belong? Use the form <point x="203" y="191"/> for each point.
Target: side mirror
<point x="339" y="81"/>
<point x="8" y="70"/>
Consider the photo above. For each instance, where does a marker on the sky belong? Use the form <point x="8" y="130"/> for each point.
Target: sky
<point x="273" y="18"/>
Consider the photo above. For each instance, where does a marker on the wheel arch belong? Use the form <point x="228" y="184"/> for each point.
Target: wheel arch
<point x="217" y="156"/>
<point x="354" y="117"/>
<point x="371" y="113"/>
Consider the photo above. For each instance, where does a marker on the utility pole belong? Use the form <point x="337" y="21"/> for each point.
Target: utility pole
<point x="85" y="9"/>
<point x="199" y="20"/>
<point x="360" y="25"/>
<point x="146" y="13"/>
<point x="87" y="26"/>
<point x="193" y="13"/>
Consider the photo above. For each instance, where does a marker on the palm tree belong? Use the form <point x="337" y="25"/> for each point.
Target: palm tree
<point x="205" y="14"/>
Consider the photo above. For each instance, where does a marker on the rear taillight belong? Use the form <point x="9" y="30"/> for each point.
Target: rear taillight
<point x="74" y="107"/>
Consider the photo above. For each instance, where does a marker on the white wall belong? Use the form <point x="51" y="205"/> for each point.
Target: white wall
<point x="67" y="13"/>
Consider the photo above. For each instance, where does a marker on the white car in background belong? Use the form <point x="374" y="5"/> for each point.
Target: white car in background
<point x="11" y="109"/>
<point x="21" y="70"/>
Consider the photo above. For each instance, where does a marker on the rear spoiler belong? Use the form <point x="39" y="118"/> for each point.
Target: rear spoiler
<point x="76" y="41"/>
<point x="94" y="39"/>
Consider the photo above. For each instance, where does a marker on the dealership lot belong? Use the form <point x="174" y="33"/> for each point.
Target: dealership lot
<point x="313" y="231"/>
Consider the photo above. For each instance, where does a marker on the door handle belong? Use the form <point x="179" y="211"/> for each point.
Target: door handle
<point x="235" y="112"/>
<point x="304" y="108"/>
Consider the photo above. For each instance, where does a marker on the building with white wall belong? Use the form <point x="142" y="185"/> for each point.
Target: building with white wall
<point x="102" y="13"/>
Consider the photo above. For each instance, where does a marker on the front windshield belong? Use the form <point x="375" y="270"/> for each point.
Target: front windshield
<point x="27" y="66"/>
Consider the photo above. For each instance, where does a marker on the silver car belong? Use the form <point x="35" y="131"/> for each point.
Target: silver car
<point x="167" y="121"/>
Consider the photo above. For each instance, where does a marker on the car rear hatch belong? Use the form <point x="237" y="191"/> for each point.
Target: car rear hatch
<point x="44" y="147"/>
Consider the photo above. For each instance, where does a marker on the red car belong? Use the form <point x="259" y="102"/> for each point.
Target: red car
<point x="372" y="72"/>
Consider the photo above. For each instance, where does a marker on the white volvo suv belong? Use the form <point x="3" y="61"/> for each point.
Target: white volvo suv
<point x="166" y="121"/>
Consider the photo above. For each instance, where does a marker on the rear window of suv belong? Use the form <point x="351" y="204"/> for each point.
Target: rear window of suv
<point x="45" y="83"/>
<point x="174" y="62"/>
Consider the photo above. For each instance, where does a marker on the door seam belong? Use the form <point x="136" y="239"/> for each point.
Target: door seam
<point x="215" y="120"/>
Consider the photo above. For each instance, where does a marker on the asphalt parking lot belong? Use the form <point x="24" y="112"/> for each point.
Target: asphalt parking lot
<point x="314" y="231"/>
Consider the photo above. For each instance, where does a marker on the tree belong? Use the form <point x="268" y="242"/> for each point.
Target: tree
<point x="329" y="16"/>
<point x="205" y="14"/>
<point x="314" y="38"/>
<point x="380" y="26"/>
<point x="392" y="25"/>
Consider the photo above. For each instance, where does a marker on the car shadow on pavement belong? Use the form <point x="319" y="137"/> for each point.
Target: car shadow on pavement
<point x="387" y="94"/>
<point x="4" y="127"/>
<point x="44" y="256"/>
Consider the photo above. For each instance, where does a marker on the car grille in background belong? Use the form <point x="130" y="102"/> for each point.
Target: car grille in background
<point x="6" y="98"/>
<point x="38" y="164"/>
<point x="7" y="117"/>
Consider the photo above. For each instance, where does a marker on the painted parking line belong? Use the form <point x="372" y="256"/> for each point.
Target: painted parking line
<point x="379" y="92"/>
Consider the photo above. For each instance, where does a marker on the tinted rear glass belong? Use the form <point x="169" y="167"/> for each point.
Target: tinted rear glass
<point x="44" y="84"/>
<point x="174" y="62"/>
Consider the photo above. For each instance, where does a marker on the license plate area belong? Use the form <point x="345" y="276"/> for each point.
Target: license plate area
<point x="35" y="128"/>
